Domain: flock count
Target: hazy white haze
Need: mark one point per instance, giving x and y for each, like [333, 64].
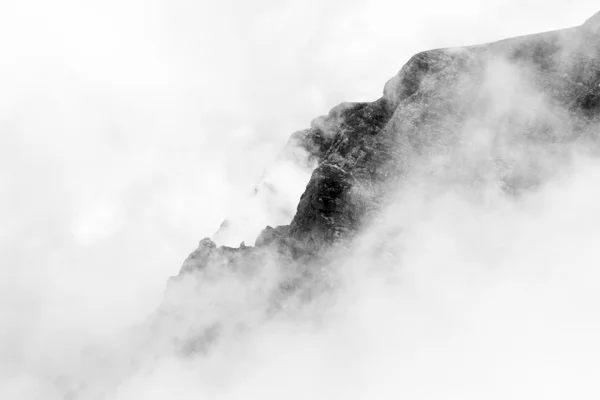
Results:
[130, 130]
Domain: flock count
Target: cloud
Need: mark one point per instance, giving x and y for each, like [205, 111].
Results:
[131, 130]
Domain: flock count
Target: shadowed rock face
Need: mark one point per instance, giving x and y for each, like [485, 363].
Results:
[510, 108]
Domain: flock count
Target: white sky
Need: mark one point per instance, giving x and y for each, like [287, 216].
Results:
[130, 129]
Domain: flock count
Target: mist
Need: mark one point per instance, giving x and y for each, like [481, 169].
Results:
[131, 130]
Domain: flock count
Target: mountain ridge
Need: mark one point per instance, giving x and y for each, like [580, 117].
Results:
[501, 114]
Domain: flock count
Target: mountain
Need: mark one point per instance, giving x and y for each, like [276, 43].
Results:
[503, 116]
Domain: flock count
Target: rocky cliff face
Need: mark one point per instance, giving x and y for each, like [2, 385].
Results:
[500, 114]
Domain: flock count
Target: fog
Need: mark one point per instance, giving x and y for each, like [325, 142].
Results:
[130, 130]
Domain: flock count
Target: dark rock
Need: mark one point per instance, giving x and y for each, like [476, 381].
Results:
[362, 149]
[533, 96]
[270, 235]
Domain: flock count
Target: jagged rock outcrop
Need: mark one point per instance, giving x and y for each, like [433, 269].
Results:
[509, 108]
